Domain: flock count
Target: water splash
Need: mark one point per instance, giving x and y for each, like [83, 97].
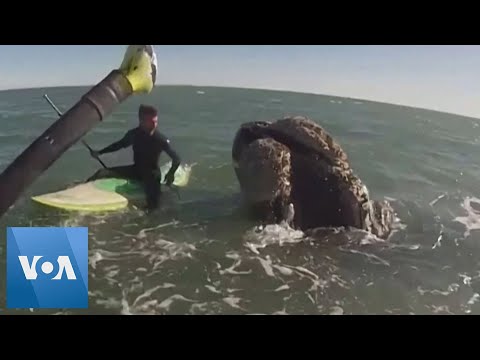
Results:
[472, 220]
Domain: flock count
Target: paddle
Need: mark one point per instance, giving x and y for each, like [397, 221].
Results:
[57, 110]
[136, 75]
[61, 114]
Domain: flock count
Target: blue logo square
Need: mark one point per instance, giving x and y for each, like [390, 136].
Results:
[47, 268]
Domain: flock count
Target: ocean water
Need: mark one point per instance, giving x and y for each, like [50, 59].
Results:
[199, 255]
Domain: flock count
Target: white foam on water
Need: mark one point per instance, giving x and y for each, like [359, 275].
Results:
[256, 314]
[174, 246]
[278, 234]
[172, 251]
[452, 288]
[145, 295]
[370, 239]
[135, 286]
[304, 272]
[231, 270]
[106, 255]
[318, 284]
[165, 304]
[283, 270]
[233, 255]
[475, 297]
[309, 296]
[147, 308]
[233, 302]
[466, 279]
[433, 202]
[152, 307]
[231, 291]
[252, 248]
[213, 289]
[336, 310]
[476, 277]
[442, 309]
[217, 167]
[412, 247]
[439, 241]
[282, 288]
[161, 250]
[111, 267]
[393, 311]
[374, 259]
[110, 277]
[125, 307]
[339, 281]
[281, 312]
[472, 220]
[267, 266]
[94, 294]
[63, 313]
[110, 303]
[76, 219]
[93, 260]
[433, 292]
[142, 234]
[99, 222]
[198, 308]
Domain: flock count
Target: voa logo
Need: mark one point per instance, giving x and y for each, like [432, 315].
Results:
[64, 266]
[47, 268]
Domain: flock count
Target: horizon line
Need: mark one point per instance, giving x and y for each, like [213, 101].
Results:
[262, 89]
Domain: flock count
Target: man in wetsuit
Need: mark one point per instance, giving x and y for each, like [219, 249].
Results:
[148, 144]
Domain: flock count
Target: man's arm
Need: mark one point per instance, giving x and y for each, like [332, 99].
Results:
[170, 176]
[125, 142]
[175, 158]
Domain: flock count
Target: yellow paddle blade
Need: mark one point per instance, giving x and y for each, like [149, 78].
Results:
[139, 66]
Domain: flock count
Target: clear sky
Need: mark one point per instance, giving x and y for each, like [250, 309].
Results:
[445, 78]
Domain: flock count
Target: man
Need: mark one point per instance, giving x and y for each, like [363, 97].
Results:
[148, 144]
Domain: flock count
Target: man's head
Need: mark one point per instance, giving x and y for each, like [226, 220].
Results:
[148, 117]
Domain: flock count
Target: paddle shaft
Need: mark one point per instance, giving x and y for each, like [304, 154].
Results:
[57, 110]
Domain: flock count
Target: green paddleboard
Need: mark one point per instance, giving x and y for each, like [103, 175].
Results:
[102, 195]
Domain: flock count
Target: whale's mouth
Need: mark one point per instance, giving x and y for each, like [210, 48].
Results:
[294, 161]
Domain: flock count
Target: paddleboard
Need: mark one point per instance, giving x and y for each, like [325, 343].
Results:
[111, 194]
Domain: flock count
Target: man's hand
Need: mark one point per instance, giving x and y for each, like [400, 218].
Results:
[169, 179]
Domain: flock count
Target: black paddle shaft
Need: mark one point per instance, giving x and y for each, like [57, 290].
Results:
[57, 110]
[91, 109]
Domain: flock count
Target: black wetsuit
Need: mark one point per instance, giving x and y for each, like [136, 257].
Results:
[147, 149]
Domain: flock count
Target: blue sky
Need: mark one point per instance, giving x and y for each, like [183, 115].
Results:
[445, 78]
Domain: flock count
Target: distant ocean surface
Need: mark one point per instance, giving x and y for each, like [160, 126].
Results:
[211, 261]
